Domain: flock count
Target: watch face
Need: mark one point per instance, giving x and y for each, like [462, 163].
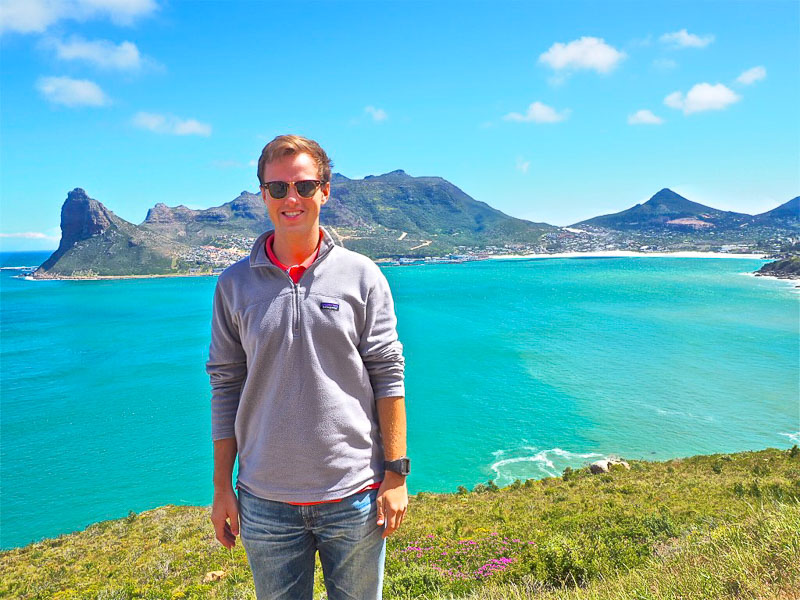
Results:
[402, 466]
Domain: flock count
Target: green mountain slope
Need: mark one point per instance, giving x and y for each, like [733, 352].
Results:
[666, 210]
[724, 526]
[95, 241]
[788, 212]
[386, 216]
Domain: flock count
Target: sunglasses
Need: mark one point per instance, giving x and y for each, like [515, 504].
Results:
[305, 189]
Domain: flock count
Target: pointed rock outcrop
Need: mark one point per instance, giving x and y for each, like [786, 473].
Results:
[161, 214]
[82, 217]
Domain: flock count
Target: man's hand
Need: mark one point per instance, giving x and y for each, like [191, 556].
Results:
[225, 508]
[392, 502]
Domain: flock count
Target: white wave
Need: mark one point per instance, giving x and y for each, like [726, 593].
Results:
[543, 463]
[678, 413]
[793, 437]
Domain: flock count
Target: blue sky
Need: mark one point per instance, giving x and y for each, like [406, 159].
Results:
[549, 111]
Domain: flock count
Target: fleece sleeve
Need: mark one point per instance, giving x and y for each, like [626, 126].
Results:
[379, 347]
[226, 368]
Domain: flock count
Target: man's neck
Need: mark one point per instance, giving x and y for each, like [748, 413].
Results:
[293, 249]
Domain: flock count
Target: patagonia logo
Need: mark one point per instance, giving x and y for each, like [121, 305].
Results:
[329, 306]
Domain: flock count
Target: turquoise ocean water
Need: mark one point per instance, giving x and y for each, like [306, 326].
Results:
[515, 369]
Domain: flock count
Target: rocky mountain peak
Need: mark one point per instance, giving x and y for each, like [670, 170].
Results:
[390, 176]
[82, 217]
[161, 213]
[665, 196]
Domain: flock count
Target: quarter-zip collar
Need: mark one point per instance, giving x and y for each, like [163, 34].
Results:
[259, 258]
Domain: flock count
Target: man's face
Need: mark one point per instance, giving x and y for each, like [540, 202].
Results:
[293, 213]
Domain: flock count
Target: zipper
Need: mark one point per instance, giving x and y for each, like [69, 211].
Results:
[296, 294]
[296, 286]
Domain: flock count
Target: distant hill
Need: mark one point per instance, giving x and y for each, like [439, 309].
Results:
[96, 241]
[244, 215]
[788, 212]
[420, 204]
[396, 201]
[669, 210]
[388, 215]
[391, 215]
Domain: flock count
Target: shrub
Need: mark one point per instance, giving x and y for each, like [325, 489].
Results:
[565, 561]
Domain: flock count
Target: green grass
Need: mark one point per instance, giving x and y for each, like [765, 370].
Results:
[720, 526]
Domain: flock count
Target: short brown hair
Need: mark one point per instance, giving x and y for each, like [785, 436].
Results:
[288, 145]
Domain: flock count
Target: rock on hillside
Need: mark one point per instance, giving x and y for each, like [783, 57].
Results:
[81, 218]
[95, 241]
[786, 268]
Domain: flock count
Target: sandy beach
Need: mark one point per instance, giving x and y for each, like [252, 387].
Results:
[598, 254]
[102, 277]
[628, 254]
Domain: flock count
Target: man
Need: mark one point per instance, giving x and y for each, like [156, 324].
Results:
[307, 387]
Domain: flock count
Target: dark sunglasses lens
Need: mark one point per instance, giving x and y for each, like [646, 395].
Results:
[278, 189]
[306, 188]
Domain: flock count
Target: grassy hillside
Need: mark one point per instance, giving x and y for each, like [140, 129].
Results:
[720, 526]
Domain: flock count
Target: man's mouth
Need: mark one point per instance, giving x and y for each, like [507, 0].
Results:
[292, 213]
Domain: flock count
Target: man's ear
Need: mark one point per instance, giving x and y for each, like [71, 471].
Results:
[264, 195]
[326, 192]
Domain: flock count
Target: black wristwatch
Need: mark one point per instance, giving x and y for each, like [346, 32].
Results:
[401, 466]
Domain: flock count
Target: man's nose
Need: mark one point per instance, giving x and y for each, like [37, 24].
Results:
[291, 194]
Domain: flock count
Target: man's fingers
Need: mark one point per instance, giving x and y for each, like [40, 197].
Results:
[234, 516]
[226, 532]
[393, 520]
[223, 535]
[379, 502]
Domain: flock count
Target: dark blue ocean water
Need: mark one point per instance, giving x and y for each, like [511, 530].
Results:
[515, 369]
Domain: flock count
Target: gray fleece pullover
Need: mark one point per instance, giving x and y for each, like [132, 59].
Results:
[295, 371]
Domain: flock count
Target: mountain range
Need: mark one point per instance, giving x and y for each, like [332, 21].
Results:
[666, 209]
[385, 216]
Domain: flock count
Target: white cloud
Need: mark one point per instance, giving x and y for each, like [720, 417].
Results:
[644, 117]
[674, 100]
[538, 113]
[102, 53]
[122, 12]
[665, 64]
[703, 96]
[31, 235]
[171, 125]
[585, 53]
[377, 114]
[72, 92]
[226, 163]
[35, 16]
[523, 165]
[750, 76]
[684, 39]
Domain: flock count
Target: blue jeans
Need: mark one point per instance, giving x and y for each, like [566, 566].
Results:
[281, 540]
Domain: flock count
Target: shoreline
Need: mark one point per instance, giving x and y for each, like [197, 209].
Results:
[628, 254]
[596, 254]
[793, 439]
[792, 281]
[112, 277]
